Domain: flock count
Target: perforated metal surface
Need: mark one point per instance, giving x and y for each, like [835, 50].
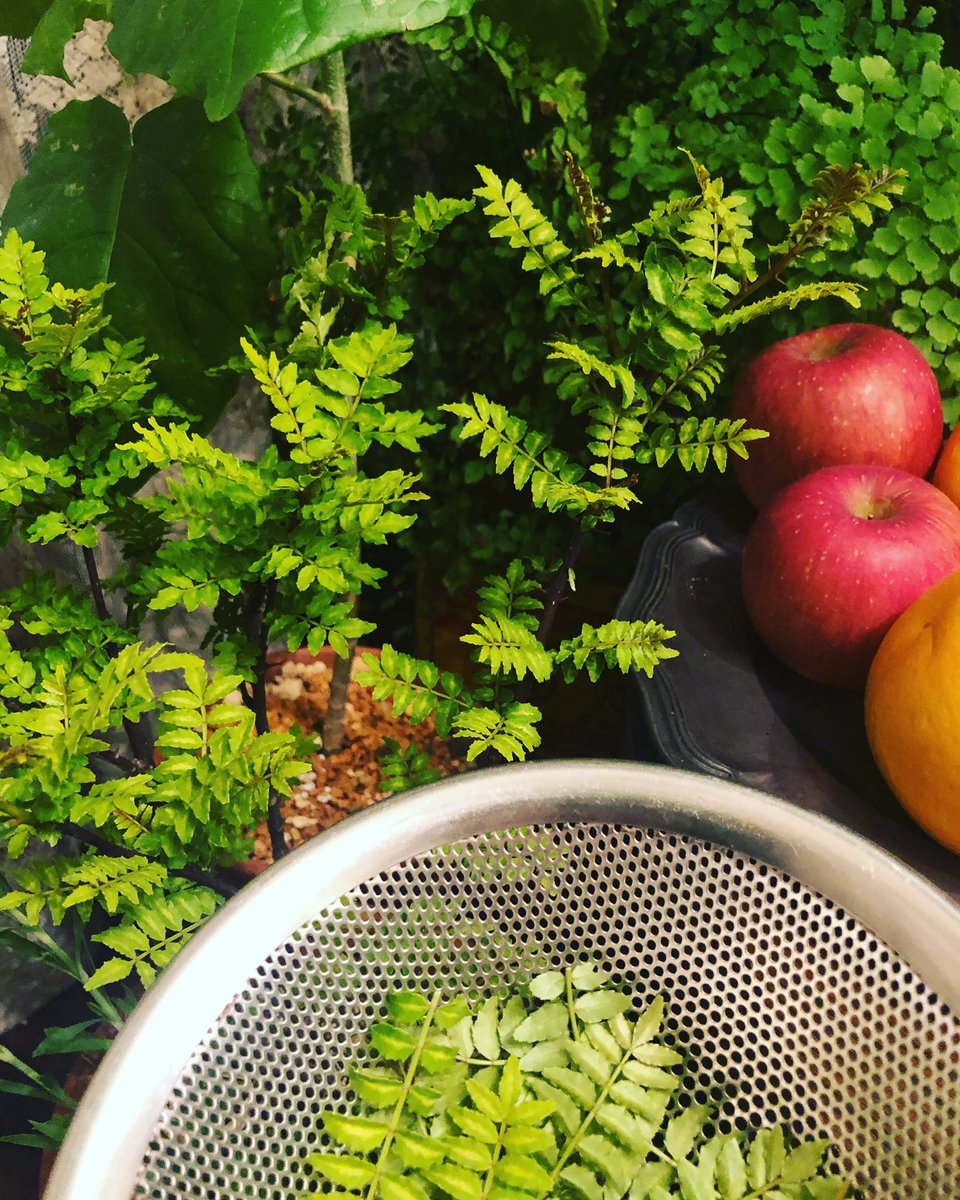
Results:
[788, 1005]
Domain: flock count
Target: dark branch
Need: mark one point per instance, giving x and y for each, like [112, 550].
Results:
[256, 610]
[551, 607]
[138, 742]
[90, 837]
[130, 766]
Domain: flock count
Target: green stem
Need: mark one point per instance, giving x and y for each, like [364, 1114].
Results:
[296, 88]
[573, 1144]
[490, 1181]
[574, 1028]
[335, 77]
[408, 1079]
[611, 444]
[69, 966]
[613, 342]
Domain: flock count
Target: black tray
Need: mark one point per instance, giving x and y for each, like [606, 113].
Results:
[728, 708]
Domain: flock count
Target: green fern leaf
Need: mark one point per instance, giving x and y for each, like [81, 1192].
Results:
[524, 227]
[512, 733]
[804, 293]
[153, 933]
[624, 645]
[507, 646]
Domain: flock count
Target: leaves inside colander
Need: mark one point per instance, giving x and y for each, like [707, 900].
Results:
[551, 1090]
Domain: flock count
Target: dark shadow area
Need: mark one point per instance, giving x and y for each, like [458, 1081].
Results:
[20, 1165]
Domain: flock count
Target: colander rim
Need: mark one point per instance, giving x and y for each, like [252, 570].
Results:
[111, 1129]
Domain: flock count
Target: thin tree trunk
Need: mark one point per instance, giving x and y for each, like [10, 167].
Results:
[334, 76]
[333, 72]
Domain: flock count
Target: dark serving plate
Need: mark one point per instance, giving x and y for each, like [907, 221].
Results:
[728, 708]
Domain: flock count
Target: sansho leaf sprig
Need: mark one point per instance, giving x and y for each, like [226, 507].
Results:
[640, 315]
[553, 1089]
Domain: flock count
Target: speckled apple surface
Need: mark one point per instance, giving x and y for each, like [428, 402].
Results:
[844, 394]
[836, 557]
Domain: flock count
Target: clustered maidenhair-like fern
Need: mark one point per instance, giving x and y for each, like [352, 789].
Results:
[646, 309]
[552, 1090]
[779, 90]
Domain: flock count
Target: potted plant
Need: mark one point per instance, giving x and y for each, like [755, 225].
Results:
[641, 314]
[273, 547]
[147, 767]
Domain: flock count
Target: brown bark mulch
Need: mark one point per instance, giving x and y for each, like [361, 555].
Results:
[349, 779]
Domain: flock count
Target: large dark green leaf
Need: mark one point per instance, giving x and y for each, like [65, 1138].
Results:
[19, 17]
[170, 215]
[569, 33]
[55, 28]
[212, 49]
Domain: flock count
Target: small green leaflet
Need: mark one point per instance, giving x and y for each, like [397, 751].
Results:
[600, 1006]
[550, 1021]
[547, 986]
[485, 1036]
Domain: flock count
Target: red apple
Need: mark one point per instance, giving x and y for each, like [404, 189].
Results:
[842, 394]
[836, 557]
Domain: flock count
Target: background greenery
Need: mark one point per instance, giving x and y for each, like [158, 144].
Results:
[209, 218]
[767, 91]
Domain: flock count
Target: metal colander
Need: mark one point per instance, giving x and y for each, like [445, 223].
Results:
[814, 980]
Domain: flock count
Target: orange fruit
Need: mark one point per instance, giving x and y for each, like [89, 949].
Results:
[912, 709]
[947, 474]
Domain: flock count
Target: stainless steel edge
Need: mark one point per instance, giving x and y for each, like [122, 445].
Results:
[102, 1155]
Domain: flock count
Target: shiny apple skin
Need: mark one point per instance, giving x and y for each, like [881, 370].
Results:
[836, 557]
[843, 394]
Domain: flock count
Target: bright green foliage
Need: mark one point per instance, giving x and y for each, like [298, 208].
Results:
[60, 474]
[275, 547]
[508, 649]
[167, 210]
[553, 1090]
[153, 934]
[643, 310]
[554, 481]
[626, 645]
[64, 884]
[509, 731]
[766, 93]
[56, 727]
[416, 687]
[405, 767]
[651, 302]
[774, 91]
[272, 547]
[196, 808]
[525, 228]
[507, 646]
